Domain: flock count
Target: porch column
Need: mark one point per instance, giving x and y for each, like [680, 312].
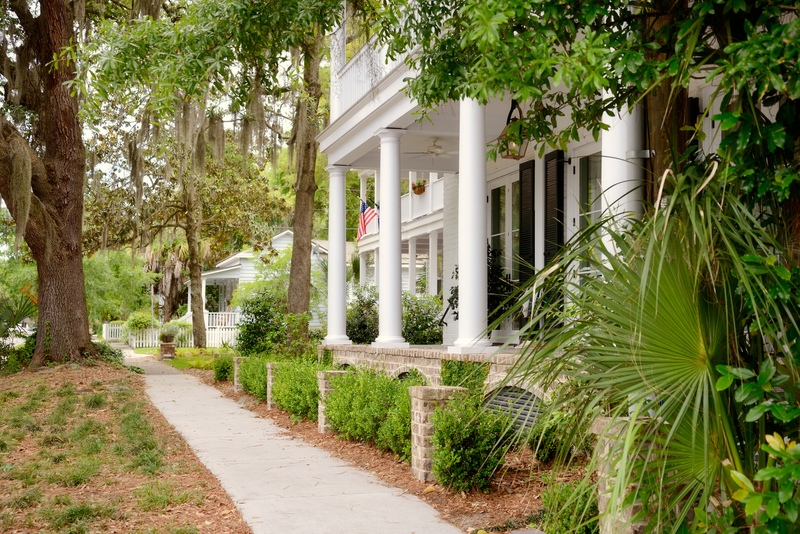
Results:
[377, 252]
[377, 256]
[433, 262]
[337, 259]
[390, 308]
[472, 297]
[203, 292]
[412, 265]
[622, 164]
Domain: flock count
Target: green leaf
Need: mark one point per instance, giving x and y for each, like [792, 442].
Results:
[790, 508]
[773, 507]
[756, 412]
[753, 504]
[724, 382]
[785, 491]
[742, 481]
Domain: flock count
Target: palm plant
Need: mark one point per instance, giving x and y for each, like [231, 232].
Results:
[685, 305]
[13, 311]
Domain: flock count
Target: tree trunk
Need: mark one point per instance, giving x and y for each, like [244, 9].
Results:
[666, 108]
[193, 222]
[48, 203]
[305, 186]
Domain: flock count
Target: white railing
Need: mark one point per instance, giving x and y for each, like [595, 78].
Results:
[112, 332]
[413, 206]
[221, 319]
[361, 74]
[215, 338]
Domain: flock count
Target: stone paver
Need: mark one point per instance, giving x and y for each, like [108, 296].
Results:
[279, 483]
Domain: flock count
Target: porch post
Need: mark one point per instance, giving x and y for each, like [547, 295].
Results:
[390, 308]
[337, 259]
[412, 265]
[622, 166]
[433, 262]
[472, 297]
[377, 252]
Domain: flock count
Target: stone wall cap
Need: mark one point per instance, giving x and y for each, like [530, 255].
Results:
[436, 393]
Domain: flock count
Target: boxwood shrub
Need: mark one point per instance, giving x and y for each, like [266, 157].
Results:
[372, 407]
[295, 388]
[571, 508]
[469, 444]
[470, 375]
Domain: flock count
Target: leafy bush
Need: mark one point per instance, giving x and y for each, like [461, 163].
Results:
[263, 323]
[470, 375]
[370, 406]
[571, 508]
[139, 321]
[421, 319]
[468, 444]
[544, 438]
[108, 354]
[253, 375]
[14, 360]
[295, 388]
[362, 316]
[223, 367]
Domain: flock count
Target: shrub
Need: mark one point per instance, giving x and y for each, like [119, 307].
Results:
[421, 319]
[369, 406]
[109, 354]
[223, 367]
[468, 444]
[470, 375]
[253, 375]
[571, 508]
[139, 321]
[14, 360]
[544, 438]
[263, 323]
[295, 388]
[362, 316]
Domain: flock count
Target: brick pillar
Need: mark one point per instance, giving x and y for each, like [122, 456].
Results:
[167, 351]
[609, 442]
[324, 383]
[270, 382]
[424, 400]
[237, 386]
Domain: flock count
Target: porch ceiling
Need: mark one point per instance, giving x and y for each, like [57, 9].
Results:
[420, 133]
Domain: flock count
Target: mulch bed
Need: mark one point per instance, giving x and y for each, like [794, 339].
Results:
[513, 500]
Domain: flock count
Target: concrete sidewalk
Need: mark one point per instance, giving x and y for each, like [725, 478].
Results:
[280, 484]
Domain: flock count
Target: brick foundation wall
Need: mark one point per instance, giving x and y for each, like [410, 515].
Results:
[237, 386]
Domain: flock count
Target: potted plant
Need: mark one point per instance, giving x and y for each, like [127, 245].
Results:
[418, 187]
[167, 337]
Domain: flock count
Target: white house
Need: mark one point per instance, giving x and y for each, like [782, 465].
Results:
[528, 208]
[240, 268]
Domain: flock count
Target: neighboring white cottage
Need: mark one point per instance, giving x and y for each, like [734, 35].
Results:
[240, 268]
[526, 207]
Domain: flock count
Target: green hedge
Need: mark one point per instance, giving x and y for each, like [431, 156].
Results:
[369, 406]
[295, 388]
[223, 367]
[469, 444]
[470, 375]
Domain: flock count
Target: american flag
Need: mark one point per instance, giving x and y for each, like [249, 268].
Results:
[367, 214]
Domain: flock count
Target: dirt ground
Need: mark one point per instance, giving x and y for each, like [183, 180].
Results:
[512, 502]
[37, 496]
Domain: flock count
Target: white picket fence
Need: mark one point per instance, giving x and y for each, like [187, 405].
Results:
[215, 336]
[112, 332]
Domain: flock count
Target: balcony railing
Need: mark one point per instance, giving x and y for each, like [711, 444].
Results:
[359, 76]
[413, 206]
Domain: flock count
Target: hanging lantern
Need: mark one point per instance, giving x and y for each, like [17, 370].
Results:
[513, 149]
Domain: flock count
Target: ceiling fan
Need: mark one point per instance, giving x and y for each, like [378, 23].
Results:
[434, 150]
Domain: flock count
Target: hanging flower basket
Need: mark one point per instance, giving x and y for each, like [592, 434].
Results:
[418, 188]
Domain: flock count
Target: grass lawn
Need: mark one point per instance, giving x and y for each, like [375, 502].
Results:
[82, 449]
[146, 350]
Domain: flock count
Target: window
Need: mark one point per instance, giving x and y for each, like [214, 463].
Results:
[504, 204]
[591, 190]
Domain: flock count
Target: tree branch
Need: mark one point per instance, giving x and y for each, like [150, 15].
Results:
[20, 9]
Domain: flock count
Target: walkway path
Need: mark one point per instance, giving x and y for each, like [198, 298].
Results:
[280, 484]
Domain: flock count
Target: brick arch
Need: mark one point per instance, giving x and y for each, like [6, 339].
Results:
[494, 383]
[404, 369]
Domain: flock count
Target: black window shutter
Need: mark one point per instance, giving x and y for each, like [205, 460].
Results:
[553, 204]
[526, 220]
[584, 185]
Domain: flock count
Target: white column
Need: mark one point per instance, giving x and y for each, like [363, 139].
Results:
[390, 306]
[433, 262]
[622, 173]
[337, 259]
[412, 265]
[203, 292]
[472, 297]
